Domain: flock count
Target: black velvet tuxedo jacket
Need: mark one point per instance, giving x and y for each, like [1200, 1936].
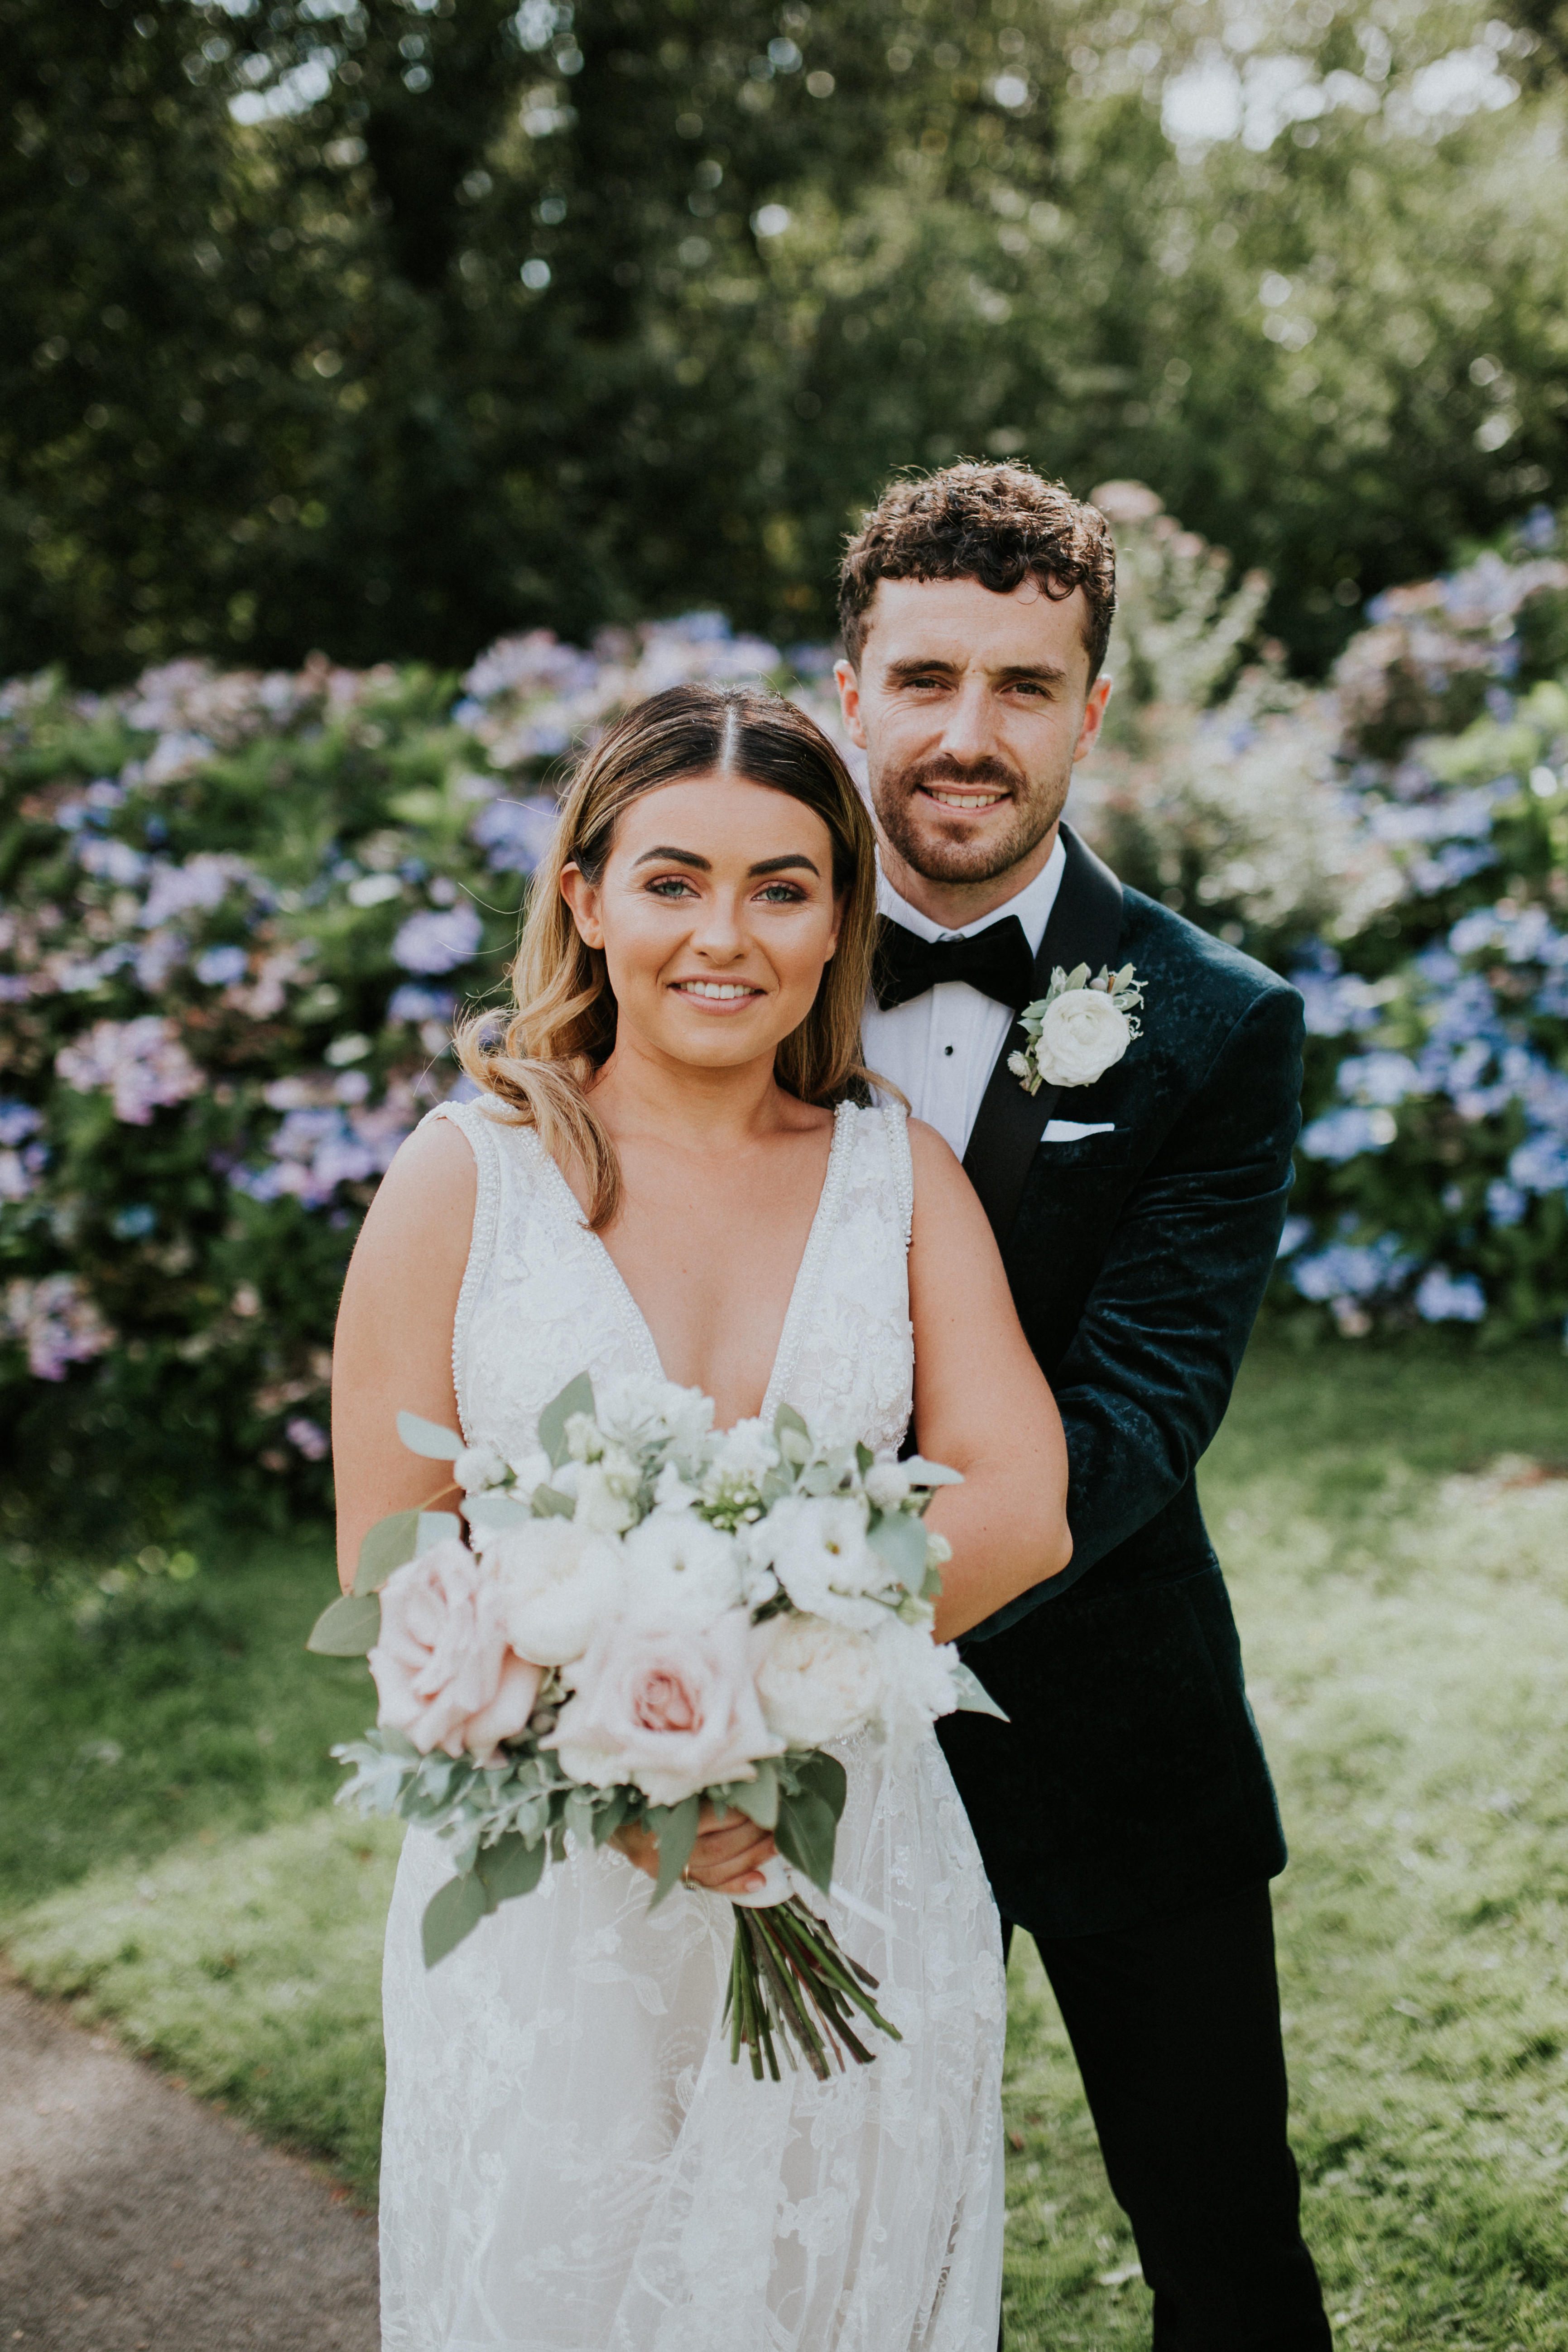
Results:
[1129, 1784]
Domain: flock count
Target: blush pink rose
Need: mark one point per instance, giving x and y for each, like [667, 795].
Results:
[673, 1710]
[445, 1673]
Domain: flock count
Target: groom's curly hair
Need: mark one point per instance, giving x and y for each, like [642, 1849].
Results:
[997, 524]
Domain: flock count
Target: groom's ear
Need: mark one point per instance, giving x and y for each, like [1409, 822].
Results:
[847, 678]
[1093, 718]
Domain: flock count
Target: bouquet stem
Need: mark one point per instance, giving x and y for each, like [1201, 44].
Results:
[791, 1983]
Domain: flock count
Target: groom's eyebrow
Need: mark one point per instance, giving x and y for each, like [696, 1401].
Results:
[1050, 673]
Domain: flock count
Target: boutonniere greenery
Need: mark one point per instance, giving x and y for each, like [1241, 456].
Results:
[1079, 1028]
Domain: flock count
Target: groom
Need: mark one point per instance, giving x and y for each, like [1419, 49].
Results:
[1125, 1812]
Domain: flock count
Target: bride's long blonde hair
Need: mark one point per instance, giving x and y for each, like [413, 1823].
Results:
[563, 1027]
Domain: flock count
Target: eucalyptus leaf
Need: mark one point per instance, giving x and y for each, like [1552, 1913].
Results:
[921, 1473]
[493, 1511]
[825, 1777]
[758, 1798]
[674, 1826]
[510, 1867]
[609, 1816]
[436, 1527]
[899, 1539]
[348, 1628]
[550, 1503]
[453, 1912]
[577, 1396]
[428, 1437]
[805, 1832]
[973, 1698]
[791, 1435]
[390, 1544]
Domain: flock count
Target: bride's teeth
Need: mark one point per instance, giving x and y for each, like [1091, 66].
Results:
[725, 991]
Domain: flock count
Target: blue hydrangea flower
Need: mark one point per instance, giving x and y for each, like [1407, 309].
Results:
[219, 966]
[1339, 1135]
[1353, 1269]
[437, 940]
[1445, 1298]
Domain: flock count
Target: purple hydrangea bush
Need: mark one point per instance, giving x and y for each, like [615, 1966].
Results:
[238, 915]
[1433, 1167]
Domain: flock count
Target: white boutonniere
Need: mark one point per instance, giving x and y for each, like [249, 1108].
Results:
[1079, 1028]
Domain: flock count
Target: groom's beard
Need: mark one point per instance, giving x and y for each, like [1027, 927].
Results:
[943, 845]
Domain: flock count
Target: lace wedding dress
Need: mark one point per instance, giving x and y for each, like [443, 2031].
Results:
[571, 2162]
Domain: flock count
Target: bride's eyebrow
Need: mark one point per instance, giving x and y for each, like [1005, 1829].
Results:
[705, 865]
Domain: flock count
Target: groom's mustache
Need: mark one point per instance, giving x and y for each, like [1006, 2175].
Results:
[944, 771]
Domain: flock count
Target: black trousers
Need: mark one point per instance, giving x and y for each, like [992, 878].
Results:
[1175, 2028]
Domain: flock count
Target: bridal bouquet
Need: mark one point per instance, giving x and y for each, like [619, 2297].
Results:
[641, 1614]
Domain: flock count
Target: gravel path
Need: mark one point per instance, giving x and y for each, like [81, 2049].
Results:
[134, 2219]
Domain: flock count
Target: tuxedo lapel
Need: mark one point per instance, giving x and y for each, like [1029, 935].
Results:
[1084, 927]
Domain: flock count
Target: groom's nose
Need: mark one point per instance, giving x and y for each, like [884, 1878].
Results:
[968, 731]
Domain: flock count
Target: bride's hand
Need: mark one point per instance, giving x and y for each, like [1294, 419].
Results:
[728, 1859]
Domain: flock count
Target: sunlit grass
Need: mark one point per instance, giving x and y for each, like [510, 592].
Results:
[1406, 1625]
[251, 1969]
[1400, 1568]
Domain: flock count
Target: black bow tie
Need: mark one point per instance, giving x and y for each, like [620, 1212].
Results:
[996, 960]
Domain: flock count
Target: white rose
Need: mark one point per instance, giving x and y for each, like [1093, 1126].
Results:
[671, 1493]
[917, 1682]
[603, 1504]
[1081, 1035]
[746, 1451]
[640, 1414]
[531, 1469]
[681, 1571]
[818, 1681]
[816, 1547]
[559, 1581]
[476, 1466]
[887, 1484]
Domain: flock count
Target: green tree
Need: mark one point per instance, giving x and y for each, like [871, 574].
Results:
[386, 327]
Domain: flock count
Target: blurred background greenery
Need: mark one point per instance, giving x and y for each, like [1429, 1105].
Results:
[382, 328]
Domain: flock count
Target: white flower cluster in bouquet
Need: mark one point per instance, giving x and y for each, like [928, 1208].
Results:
[642, 1613]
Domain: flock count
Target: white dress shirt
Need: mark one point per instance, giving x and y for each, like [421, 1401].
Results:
[941, 1048]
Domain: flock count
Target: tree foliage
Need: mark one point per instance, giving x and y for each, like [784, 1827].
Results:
[385, 327]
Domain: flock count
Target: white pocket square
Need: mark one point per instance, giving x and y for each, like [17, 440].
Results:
[1071, 1130]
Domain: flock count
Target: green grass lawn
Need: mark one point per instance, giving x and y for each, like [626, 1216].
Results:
[1397, 1545]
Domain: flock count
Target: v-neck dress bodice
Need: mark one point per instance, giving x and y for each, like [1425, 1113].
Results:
[571, 2163]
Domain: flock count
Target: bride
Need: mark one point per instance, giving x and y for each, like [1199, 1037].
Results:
[674, 1169]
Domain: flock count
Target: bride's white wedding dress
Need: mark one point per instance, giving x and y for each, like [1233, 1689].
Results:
[571, 2162]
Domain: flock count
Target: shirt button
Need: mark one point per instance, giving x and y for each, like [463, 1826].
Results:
[947, 1049]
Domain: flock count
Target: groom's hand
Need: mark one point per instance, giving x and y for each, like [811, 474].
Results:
[726, 1859]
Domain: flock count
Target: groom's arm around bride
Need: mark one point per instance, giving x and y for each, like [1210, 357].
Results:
[1135, 1164]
